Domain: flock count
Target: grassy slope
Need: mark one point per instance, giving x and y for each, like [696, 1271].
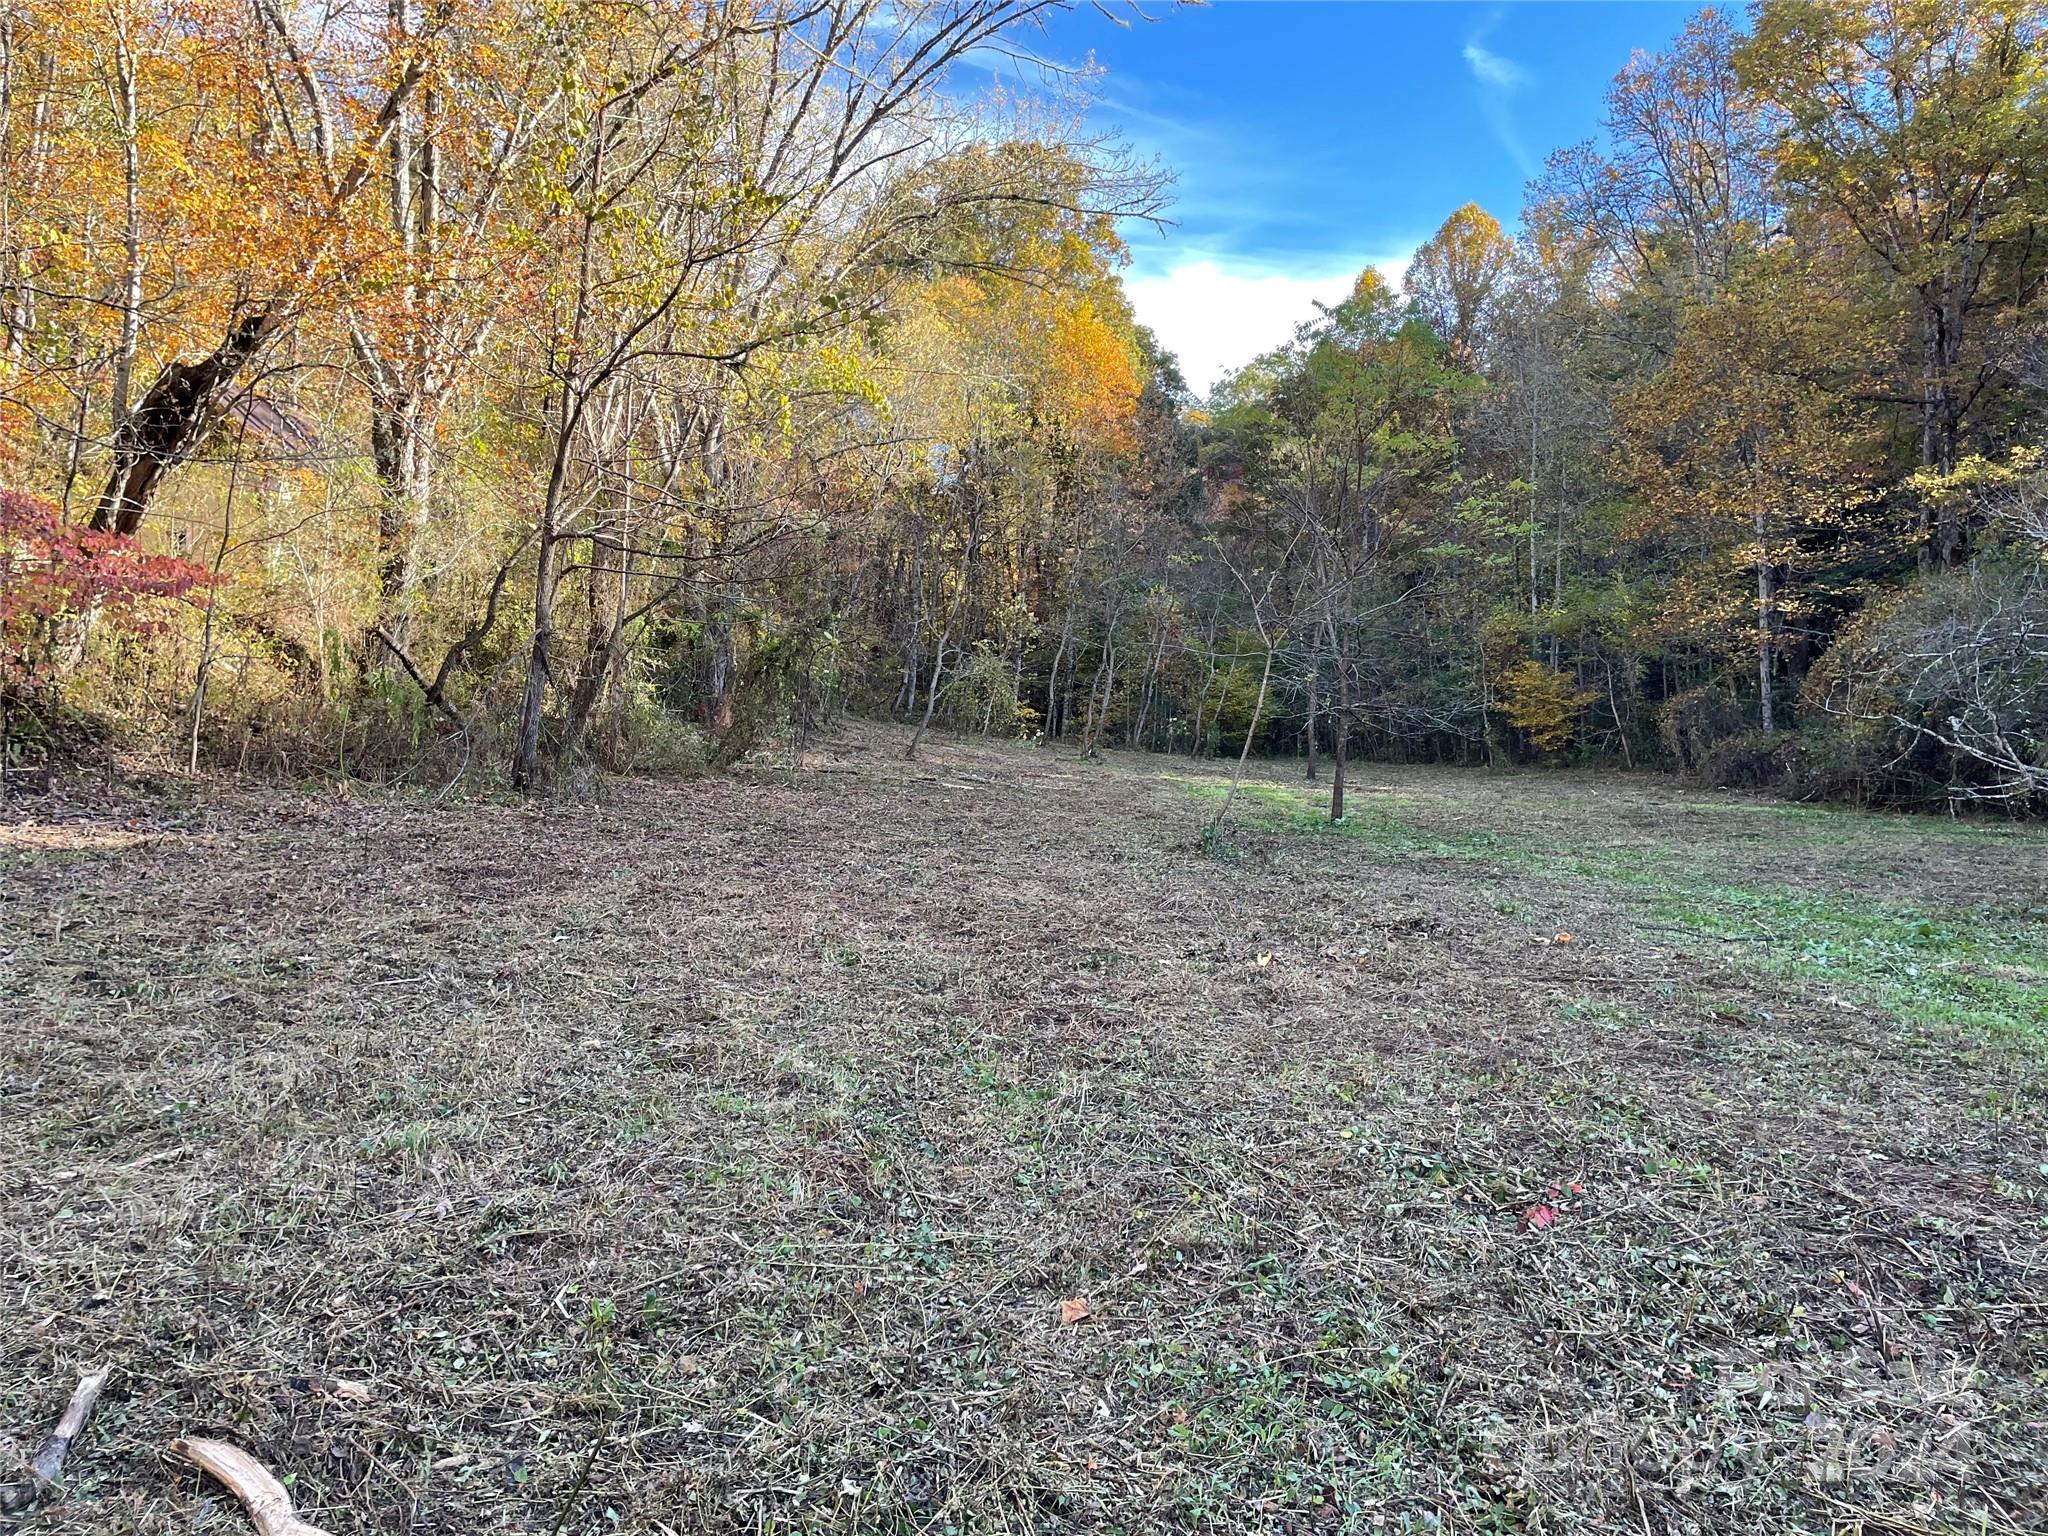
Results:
[717, 1157]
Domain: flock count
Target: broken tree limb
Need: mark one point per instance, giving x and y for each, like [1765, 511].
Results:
[269, 1506]
[48, 1465]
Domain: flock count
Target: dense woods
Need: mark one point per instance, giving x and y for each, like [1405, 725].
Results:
[465, 387]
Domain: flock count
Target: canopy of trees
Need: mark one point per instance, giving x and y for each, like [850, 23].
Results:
[463, 385]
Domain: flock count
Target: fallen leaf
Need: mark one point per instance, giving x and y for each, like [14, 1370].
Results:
[1539, 1216]
[1074, 1309]
[1265, 959]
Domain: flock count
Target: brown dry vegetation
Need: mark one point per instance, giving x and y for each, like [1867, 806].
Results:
[715, 1157]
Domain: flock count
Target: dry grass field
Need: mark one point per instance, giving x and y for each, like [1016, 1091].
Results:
[718, 1156]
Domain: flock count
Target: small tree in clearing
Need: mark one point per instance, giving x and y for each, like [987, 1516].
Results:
[1544, 704]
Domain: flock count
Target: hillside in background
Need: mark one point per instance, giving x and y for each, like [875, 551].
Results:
[500, 393]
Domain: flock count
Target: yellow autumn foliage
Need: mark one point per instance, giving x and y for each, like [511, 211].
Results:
[1543, 703]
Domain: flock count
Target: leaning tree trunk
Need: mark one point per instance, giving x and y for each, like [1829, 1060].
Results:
[182, 405]
[187, 399]
[1215, 827]
[1104, 682]
[931, 698]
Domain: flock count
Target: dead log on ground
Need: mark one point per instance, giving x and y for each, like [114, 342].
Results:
[269, 1506]
[48, 1465]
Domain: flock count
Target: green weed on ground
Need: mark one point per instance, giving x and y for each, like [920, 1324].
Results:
[1977, 970]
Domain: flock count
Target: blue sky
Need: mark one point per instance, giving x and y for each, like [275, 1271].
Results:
[1313, 139]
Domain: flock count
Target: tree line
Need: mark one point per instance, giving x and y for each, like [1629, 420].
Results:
[443, 387]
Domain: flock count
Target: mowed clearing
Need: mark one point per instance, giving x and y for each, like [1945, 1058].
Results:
[718, 1156]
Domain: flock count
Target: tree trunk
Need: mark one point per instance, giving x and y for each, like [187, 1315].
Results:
[1557, 586]
[401, 453]
[526, 751]
[1244, 753]
[131, 234]
[20, 308]
[1766, 595]
[604, 661]
[185, 400]
[1053, 722]
[1941, 526]
[1098, 717]
[1151, 685]
[1315, 677]
[931, 699]
[1340, 728]
[1202, 707]
[547, 579]
[1766, 623]
[1628, 757]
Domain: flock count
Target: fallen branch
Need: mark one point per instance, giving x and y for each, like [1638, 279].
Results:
[431, 690]
[48, 1465]
[269, 1506]
[436, 688]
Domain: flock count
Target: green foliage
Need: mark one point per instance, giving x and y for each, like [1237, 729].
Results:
[982, 695]
[782, 433]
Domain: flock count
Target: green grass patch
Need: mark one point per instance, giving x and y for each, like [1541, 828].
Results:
[1980, 971]
[1372, 821]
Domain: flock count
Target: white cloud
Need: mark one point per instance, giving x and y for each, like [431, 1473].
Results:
[1500, 78]
[1217, 313]
[1489, 68]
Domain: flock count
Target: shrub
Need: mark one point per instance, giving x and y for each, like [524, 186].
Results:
[1770, 761]
[1544, 704]
[1952, 676]
[59, 581]
[1693, 723]
[55, 575]
[984, 695]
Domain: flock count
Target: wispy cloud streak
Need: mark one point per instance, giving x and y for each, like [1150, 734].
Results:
[1499, 79]
[1490, 69]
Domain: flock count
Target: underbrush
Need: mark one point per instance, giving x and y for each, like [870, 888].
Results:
[42, 736]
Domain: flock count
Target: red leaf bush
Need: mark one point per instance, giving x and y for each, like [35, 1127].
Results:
[52, 571]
